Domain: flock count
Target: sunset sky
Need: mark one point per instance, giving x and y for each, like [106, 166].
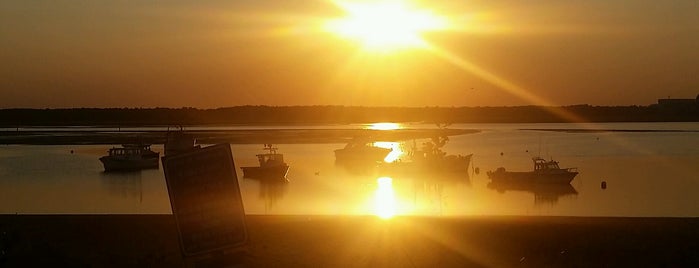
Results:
[59, 53]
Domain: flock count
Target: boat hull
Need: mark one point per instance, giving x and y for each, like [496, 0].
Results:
[276, 172]
[449, 164]
[364, 154]
[117, 164]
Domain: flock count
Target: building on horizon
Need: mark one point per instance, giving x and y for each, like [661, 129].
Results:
[678, 102]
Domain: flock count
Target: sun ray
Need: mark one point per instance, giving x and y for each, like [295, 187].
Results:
[501, 83]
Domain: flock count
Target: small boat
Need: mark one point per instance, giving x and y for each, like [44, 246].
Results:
[544, 172]
[179, 142]
[431, 158]
[440, 161]
[272, 166]
[361, 152]
[130, 157]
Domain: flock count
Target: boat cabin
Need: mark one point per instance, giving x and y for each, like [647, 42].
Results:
[272, 158]
[132, 150]
[125, 151]
[541, 164]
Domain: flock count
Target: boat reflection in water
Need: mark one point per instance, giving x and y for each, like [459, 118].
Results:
[272, 189]
[420, 194]
[543, 193]
[127, 184]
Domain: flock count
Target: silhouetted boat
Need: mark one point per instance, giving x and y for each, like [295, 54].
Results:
[130, 157]
[431, 159]
[544, 172]
[272, 166]
[178, 142]
[439, 161]
[361, 152]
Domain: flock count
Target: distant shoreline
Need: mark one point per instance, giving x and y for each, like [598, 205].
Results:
[258, 136]
[27, 136]
[315, 115]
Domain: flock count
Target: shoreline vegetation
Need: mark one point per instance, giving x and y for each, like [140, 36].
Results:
[23, 126]
[315, 115]
[255, 136]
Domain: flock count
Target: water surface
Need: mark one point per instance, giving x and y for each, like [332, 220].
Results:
[647, 174]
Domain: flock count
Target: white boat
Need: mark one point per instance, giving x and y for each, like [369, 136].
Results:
[431, 159]
[271, 166]
[544, 172]
[130, 157]
[361, 152]
[179, 142]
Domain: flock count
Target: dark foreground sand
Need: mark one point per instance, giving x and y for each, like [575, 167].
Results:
[357, 241]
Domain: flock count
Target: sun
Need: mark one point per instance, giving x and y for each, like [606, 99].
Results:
[385, 25]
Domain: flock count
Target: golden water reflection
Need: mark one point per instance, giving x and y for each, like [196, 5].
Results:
[396, 153]
[384, 198]
[384, 126]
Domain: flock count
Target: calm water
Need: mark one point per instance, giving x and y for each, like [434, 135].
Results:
[647, 174]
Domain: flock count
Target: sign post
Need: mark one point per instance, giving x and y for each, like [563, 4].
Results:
[205, 199]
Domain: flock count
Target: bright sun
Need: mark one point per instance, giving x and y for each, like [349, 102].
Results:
[385, 25]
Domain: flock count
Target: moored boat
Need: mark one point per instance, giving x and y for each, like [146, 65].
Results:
[179, 142]
[544, 172]
[130, 157]
[271, 165]
[361, 152]
[431, 158]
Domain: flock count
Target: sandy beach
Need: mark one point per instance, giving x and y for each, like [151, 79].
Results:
[357, 241]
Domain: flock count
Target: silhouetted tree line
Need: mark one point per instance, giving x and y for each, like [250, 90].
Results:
[342, 115]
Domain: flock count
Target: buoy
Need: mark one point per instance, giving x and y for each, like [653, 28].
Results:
[501, 153]
[604, 185]
[71, 151]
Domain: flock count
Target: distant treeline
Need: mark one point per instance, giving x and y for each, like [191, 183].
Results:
[343, 115]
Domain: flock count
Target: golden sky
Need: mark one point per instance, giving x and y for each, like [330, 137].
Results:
[58, 53]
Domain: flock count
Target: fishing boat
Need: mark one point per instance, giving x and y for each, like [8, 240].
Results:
[130, 157]
[431, 158]
[544, 172]
[177, 142]
[358, 151]
[271, 165]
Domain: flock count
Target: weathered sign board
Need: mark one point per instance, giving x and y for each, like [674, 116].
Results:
[205, 199]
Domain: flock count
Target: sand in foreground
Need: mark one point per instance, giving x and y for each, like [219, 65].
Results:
[358, 241]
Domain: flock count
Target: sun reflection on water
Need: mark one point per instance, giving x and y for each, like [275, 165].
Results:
[395, 154]
[384, 198]
[384, 126]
